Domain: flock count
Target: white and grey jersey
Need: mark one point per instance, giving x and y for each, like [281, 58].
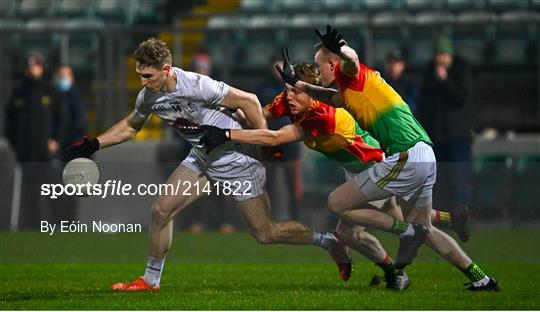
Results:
[195, 102]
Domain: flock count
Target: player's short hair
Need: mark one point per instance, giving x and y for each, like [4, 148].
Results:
[319, 46]
[307, 72]
[153, 53]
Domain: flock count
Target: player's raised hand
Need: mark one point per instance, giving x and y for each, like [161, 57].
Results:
[85, 147]
[287, 64]
[213, 137]
[286, 72]
[332, 40]
[287, 77]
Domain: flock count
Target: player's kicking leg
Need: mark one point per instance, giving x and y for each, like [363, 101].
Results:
[256, 215]
[161, 230]
[439, 241]
[448, 248]
[457, 219]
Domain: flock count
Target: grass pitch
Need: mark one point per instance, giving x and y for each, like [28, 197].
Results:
[213, 271]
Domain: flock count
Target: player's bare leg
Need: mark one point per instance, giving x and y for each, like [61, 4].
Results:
[168, 206]
[161, 229]
[344, 202]
[365, 243]
[256, 215]
[360, 240]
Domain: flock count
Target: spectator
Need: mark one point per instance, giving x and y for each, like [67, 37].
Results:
[35, 127]
[68, 94]
[445, 111]
[394, 74]
[202, 62]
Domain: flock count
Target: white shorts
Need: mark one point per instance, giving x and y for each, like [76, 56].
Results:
[409, 175]
[246, 174]
[378, 204]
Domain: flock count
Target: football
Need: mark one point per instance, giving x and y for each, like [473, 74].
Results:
[81, 171]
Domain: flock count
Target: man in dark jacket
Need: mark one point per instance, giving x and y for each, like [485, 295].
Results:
[445, 112]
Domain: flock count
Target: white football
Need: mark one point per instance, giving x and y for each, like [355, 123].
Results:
[81, 171]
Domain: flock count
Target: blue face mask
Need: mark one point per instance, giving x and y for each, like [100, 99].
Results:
[63, 84]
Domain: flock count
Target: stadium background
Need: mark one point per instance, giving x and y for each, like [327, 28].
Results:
[499, 38]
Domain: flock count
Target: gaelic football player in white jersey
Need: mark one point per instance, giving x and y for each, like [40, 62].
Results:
[185, 101]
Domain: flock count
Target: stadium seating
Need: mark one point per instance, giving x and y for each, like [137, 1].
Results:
[350, 20]
[520, 16]
[29, 8]
[525, 185]
[338, 5]
[469, 18]
[434, 18]
[491, 182]
[379, 5]
[460, 5]
[507, 4]
[74, 8]
[7, 7]
[390, 18]
[417, 5]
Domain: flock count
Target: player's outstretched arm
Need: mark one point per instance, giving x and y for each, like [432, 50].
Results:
[214, 136]
[122, 131]
[287, 134]
[327, 95]
[334, 42]
[248, 103]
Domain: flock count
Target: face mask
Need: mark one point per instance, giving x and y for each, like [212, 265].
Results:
[63, 84]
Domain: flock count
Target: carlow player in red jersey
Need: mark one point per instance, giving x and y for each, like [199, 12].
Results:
[409, 171]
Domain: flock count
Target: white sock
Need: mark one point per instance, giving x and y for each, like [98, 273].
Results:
[409, 232]
[154, 267]
[324, 240]
[481, 282]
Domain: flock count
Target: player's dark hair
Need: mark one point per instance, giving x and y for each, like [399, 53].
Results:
[153, 53]
[307, 72]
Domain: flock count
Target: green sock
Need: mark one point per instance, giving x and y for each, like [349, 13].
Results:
[398, 227]
[474, 273]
